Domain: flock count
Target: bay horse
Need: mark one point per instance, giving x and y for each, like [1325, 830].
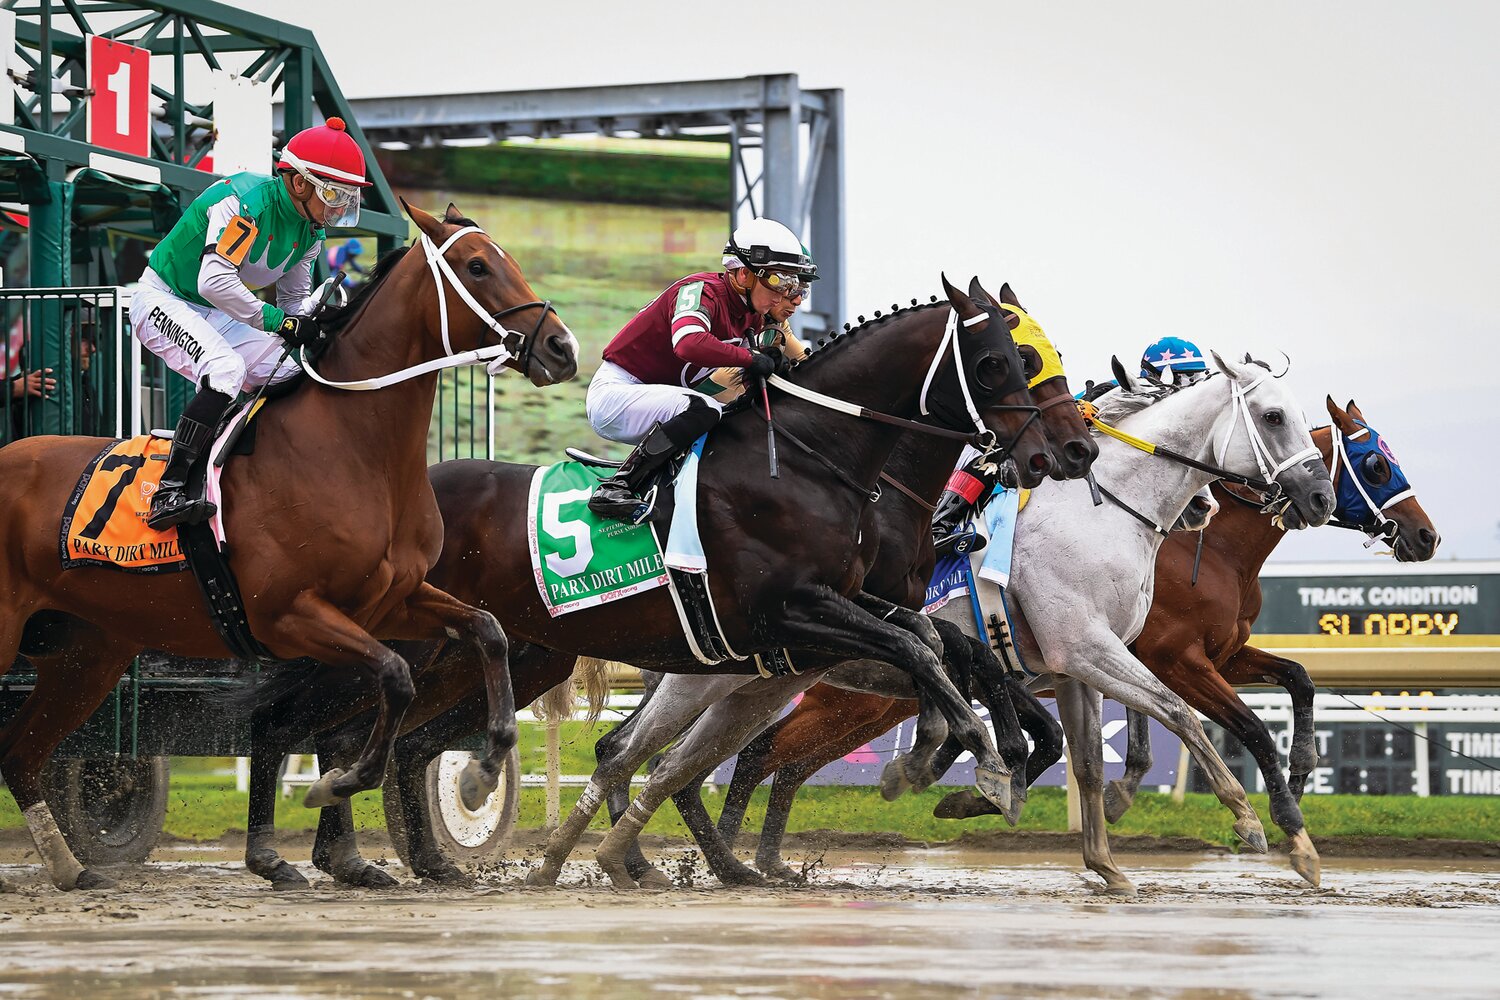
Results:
[789, 556]
[331, 525]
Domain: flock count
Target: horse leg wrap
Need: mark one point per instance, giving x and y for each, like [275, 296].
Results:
[61, 865]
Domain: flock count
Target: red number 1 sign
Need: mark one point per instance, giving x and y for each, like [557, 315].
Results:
[119, 115]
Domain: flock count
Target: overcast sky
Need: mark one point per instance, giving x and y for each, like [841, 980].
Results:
[1314, 178]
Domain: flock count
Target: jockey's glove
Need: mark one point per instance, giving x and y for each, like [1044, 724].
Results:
[301, 331]
[767, 363]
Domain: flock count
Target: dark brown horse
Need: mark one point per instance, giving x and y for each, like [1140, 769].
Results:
[823, 532]
[331, 523]
[902, 568]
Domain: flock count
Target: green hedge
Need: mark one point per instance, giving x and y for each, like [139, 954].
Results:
[574, 175]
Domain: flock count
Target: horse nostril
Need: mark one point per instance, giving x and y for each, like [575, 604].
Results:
[1040, 463]
[1077, 452]
[1427, 537]
[557, 345]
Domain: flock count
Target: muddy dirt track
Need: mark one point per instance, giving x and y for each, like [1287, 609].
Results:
[901, 923]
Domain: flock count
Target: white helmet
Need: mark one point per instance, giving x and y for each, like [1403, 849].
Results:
[763, 244]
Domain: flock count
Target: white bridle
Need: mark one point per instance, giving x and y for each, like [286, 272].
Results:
[1341, 457]
[950, 337]
[495, 354]
[1240, 406]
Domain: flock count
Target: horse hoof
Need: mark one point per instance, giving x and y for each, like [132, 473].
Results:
[444, 874]
[1305, 860]
[1012, 812]
[732, 871]
[741, 876]
[284, 876]
[543, 876]
[90, 879]
[1116, 801]
[368, 876]
[653, 880]
[893, 780]
[1252, 833]
[475, 785]
[782, 872]
[962, 805]
[321, 793]
[993, 785]
[1125, 890]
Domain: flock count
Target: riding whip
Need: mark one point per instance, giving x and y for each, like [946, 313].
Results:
[1197, 557]
[1094, 488]
[765, 394]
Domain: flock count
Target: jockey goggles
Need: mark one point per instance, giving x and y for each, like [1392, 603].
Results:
[341, 200]
[788, 286]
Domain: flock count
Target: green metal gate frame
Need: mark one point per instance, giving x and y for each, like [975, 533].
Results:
[46, 162]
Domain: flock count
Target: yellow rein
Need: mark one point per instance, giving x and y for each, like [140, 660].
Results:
[1090, 414]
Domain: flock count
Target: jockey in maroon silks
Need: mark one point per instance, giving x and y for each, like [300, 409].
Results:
[667, 375]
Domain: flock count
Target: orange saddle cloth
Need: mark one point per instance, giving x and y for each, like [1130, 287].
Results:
[105, 520]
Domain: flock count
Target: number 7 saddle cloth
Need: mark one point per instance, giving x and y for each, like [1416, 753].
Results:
[104, 523]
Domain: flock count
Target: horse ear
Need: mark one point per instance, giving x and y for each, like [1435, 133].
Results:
[976, 291]
[1128, 382]
[1354, 412]
[1008, 297]
[1232, 370]
[430, 226]
[1341, 418]
[452, 214]
[958, 300]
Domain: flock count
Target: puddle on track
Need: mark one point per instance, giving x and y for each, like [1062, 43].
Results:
[934, 923]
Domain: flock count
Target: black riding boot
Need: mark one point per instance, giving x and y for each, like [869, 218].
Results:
[618, 498]
[964, 496]
[171, 505]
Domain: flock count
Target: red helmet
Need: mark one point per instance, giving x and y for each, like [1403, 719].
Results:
[327, 151]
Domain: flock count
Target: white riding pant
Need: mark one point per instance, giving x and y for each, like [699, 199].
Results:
[200, 341]
[623, 408]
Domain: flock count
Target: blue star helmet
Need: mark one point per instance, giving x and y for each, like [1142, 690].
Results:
[353, 248]
[1171, 357]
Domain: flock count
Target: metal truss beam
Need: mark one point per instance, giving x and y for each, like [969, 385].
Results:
[786, 145]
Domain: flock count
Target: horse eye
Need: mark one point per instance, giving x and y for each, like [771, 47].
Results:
[1377, 472]
[990, 374]
[476, 268]
[1031, 362]
[1273, 417]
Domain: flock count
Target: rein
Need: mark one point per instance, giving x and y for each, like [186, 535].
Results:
[981, 437]
[1163, 532]
[495, 354]
[984, 439]
[873, 493]
[1259, 485]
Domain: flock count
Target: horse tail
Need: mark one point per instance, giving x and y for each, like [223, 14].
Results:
[590, 677]
[257, 691]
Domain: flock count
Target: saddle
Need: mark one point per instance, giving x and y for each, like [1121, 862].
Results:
[206, 557]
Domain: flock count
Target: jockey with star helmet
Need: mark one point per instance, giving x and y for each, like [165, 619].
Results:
[1174, 361]
[668, 373]
[196, 308]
